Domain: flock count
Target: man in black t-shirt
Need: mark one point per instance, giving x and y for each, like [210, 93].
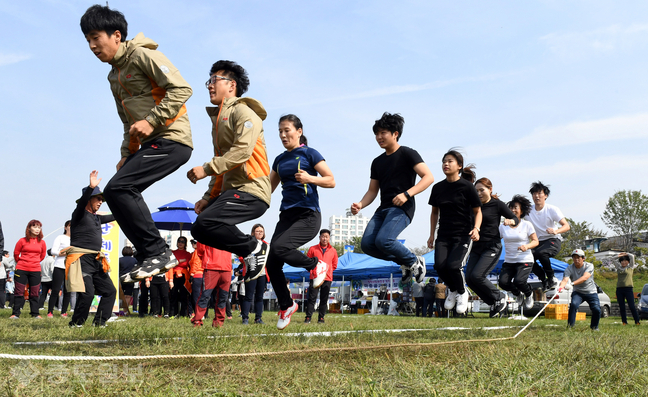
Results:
[393, 173]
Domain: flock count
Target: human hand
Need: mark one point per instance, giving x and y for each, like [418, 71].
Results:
[121, 163]
[523, 248]
[303, 177]
[474, 234]
[196, 173]
[170, 284]
[200, 206]
[148, 284]
[399, 200]
[141, 129]
[560, 289]
[509, 222]
[94, 181]
[551, 231]
[355, 208]
[430, 242]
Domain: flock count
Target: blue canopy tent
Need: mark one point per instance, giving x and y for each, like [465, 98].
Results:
[176, 215]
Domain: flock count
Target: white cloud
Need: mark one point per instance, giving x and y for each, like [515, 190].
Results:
[575, 45]
[8, 59]
[576, 133]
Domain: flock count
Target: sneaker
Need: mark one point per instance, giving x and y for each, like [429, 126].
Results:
[258, 321]
[284, 316]
[450, 300]
[418, 269]
[544, 286]
[552, 283]
[321, 269]
[307, 320]
[126, 278]
[38, 317]
[13, 317]
[50, 315]
[64, 315]
[528, 302]
[245, 321]
[74, 325]
[519, 300]
[594, 329]
[407, 274]
[498, 307]
[462, 302]
[154, 265]
[256, 263]
[320, 321]
[98, 325]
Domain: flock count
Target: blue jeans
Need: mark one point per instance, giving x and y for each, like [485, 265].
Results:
[379, 238]
[594, 304]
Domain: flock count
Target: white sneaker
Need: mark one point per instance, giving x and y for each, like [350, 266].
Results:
[320, 270]
[528, 302]
[284, 316]
[462, 302]
[450, 300]
[418, 269]
[519, 300]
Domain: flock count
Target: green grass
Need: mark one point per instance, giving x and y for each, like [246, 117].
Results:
[546, 360]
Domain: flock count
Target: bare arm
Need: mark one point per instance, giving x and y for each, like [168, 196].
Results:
[474, 233]
[426, 180]
[325, 179]
[274, 181]
[532, 244]
[564, 227]
[368, 198]
[434, 218]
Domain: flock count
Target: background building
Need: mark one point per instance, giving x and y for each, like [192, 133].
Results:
[343, 228]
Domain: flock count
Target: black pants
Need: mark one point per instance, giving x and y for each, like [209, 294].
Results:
[96, 282]
[254, 290]
[625, 294]
[46, 287]
[153, 161]
[160, 297]
[450, 256]
[3, 292]
[312, 298]
[135, 298]
[543, 253]
[22, 278]
[419, 306]
[179, 297]
[216, 224]
[483, 259]
[514, 278]
[428, 307]
[58, 282]
[143, 300]
[296, 227]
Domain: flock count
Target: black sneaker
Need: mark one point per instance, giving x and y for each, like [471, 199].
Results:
[307, 320]
[154, 265]
[256, 263]
[258, 321]
[552, 283]
[498, 308]
[320, 321]
[544, 286]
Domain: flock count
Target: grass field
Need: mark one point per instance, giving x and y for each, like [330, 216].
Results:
[545, 360]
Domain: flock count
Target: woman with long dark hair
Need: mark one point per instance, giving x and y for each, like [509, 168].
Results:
[29, 252]
[486, 252]
[299, 220]
[457, 210]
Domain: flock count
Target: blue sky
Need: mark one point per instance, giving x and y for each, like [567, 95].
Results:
[546, 90]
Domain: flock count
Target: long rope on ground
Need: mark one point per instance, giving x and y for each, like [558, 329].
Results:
[261, 354]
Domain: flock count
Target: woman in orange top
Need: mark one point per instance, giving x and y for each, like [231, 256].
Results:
[29, 252]
[180, 292]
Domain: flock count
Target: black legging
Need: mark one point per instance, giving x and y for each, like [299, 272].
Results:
[46, 287]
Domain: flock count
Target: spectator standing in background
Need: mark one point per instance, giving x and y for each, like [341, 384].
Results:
[58, 276]
[624, 290]
[7, 266]
[28, 254]
[47, 268]
[440, 297]
[417, 294]
[429, 292]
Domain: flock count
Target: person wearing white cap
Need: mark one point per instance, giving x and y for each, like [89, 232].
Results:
[581, 274]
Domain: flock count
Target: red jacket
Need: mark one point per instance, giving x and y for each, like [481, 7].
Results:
[214, 259]
[329, 256]
[29, 254]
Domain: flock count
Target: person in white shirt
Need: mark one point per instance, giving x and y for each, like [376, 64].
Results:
[518, 259]
[47, 268]
[58, 276]
[548, 222]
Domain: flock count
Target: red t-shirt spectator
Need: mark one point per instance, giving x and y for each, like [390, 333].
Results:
[29, 254]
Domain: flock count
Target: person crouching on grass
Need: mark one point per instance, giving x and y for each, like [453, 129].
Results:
[581, 274]
[85, 252]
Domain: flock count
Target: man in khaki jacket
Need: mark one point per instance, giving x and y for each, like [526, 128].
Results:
[239, 189]
[150, 95]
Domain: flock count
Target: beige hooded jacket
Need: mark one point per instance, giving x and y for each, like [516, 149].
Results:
[147, 86]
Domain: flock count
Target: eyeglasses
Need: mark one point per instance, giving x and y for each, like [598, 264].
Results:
[214, 79]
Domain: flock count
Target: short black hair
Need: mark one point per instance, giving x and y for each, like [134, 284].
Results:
[624, 258]
[102, 18]
[325, 231]
[183, 239]
[524, 203]
[390, 122]
[127, 251]
[235, 72]
[539, 186]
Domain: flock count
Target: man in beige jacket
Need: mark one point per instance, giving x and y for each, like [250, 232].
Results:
[150, 95]
[239, 189]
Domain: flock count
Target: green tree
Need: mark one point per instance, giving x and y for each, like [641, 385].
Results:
[576, 236]
[626, 214]
[355, 241]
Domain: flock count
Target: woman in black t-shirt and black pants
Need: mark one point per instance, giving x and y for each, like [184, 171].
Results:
[457, 209]
[486, 252]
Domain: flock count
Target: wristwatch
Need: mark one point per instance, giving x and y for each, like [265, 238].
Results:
[407, 195]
